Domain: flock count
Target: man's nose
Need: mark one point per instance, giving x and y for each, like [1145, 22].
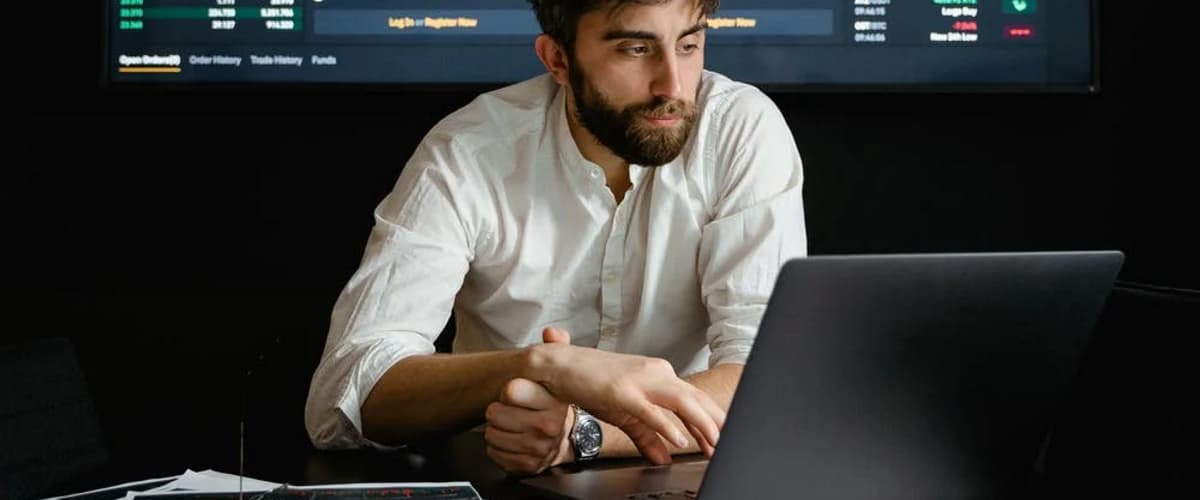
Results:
[667, 83]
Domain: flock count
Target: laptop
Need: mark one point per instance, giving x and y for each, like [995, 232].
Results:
[891, 376]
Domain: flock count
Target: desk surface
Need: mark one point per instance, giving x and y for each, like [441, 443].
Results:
[458, 458]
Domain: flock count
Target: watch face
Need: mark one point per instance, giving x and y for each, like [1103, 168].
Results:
[587, 437]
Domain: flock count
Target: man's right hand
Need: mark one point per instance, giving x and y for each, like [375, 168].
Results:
[528, 429]
[631, 392]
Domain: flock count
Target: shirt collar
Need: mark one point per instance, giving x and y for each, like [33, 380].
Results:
[568, 151]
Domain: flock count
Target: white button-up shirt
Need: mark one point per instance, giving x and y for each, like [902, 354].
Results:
[498, 217]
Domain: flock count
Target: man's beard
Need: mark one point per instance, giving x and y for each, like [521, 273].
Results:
[624, 131]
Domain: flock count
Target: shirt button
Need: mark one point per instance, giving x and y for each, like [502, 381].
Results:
[608, 331]
[596, 173]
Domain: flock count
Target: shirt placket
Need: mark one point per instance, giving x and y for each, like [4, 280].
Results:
[612, 270]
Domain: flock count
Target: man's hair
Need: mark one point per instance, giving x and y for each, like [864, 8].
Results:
[560, 18]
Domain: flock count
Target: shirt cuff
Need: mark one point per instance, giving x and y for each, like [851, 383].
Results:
[338, 421]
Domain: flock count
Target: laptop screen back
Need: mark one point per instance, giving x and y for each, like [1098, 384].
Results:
[908, 376]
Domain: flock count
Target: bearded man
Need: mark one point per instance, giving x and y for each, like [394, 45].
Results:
[606, 236]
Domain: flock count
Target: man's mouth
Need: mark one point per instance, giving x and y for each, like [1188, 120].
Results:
[662, 120]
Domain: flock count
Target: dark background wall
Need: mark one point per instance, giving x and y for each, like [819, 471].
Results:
[184, 239]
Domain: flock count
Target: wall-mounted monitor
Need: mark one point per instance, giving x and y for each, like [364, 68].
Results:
[991, 45]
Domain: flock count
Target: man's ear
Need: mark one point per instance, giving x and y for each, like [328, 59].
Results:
[553, 57]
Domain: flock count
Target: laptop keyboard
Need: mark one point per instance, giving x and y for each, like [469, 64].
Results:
[664, 495]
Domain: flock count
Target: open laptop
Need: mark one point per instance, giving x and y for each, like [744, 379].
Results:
[891, 376]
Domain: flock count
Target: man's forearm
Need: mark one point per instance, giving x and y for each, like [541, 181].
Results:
[443, 393]
[719, 382]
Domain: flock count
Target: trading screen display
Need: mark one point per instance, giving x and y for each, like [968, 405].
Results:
[818, 43]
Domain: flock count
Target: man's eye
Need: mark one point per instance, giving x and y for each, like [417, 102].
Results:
[639, 50]
[689, 48]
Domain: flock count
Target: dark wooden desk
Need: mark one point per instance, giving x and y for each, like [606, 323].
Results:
[296, 462]
[459, 458]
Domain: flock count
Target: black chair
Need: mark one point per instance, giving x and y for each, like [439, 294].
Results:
[49, 433]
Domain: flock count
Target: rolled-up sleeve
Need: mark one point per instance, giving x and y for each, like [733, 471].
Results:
[757, 224]
[398, 300]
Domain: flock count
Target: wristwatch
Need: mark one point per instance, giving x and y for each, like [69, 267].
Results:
[585, 435]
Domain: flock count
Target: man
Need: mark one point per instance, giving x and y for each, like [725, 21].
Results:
[599, 232]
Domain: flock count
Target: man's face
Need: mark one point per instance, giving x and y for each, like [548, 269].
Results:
[634, 74]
